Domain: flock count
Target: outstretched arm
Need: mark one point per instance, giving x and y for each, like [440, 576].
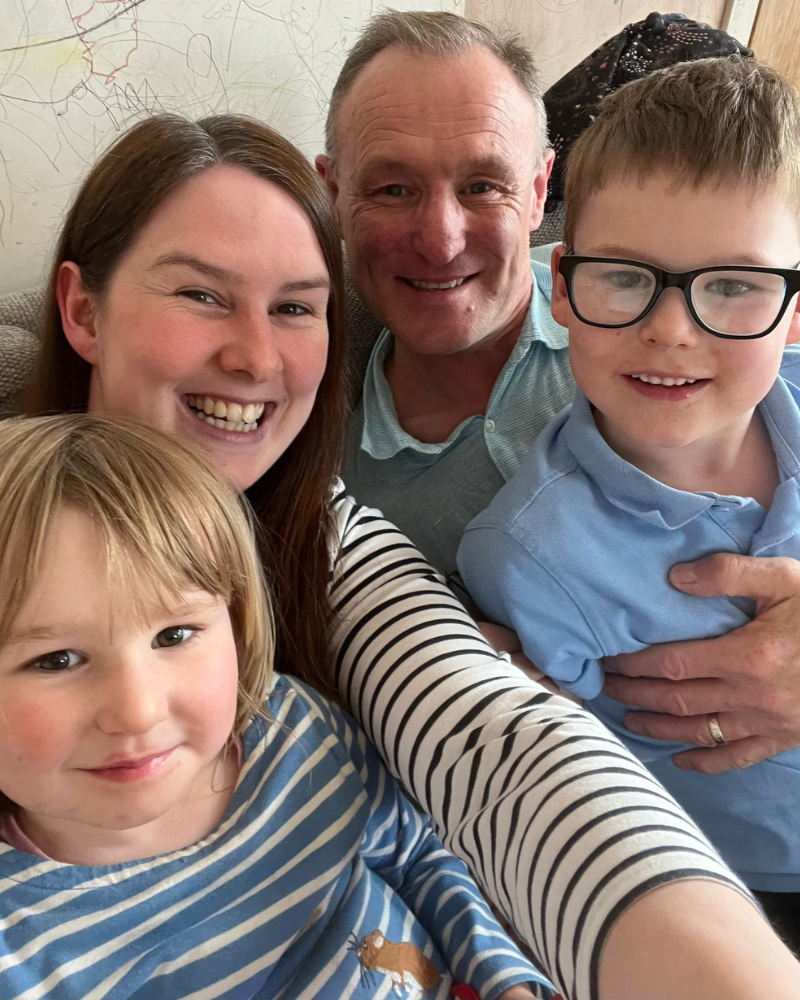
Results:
[565, 831]
[749, 678]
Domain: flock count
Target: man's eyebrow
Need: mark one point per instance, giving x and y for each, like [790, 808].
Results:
[495, 166]
[189, 260]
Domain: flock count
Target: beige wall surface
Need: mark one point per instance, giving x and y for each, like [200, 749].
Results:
[562, 32]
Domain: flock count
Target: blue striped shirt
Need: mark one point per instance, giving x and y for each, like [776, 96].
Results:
[318, 850]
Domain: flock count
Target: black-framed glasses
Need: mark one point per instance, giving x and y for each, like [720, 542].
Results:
[736, 302]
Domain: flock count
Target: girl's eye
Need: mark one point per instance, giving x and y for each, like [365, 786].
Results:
[59, 660]
[293, 309]
[175, 635]
[196, 295]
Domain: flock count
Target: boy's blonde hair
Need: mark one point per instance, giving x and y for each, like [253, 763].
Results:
[712, 120]
[165, 517]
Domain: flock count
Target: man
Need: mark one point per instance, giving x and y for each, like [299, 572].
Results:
[437, 165]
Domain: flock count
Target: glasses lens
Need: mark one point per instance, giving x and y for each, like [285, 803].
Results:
[738, 303]
[611, 293]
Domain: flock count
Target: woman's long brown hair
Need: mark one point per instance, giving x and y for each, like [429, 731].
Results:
[292, 500]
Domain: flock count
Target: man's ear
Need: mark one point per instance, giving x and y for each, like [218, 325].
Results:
[77, 312]
[540, 189]
[559, 300]
[793, 335]
[324, 166]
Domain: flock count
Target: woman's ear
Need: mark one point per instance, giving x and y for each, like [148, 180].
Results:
[559, 300]
[77, 312]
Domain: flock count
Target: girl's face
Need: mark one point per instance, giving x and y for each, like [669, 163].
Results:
[214, 325]
[113, 721]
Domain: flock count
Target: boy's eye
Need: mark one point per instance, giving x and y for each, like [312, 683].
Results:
[175, 635]
[729, 287]
[58, 660]
[626, 279]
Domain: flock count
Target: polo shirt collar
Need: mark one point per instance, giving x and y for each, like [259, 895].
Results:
[633, 491]
[382, 436]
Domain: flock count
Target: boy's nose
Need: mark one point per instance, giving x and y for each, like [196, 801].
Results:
[670, 324]
[132, 701]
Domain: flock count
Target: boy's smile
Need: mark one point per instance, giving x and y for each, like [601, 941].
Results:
[664, 388]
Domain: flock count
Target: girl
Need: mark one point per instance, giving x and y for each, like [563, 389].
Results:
[179, 820]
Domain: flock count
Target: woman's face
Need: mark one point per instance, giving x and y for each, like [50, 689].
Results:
[213, 326]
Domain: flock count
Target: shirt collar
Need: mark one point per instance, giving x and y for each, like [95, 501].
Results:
[638, 494]
[382, 436]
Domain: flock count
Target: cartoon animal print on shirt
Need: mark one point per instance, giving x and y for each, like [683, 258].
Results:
[408, 969]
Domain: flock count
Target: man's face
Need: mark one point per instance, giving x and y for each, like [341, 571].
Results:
[438, 184]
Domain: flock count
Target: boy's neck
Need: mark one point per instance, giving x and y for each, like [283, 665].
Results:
[738, 460]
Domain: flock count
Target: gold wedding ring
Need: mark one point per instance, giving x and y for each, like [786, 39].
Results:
[714, 730]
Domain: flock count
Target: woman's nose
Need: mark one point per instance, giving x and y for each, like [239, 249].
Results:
[133, 699]
[252, 349]
[669, 323]
[439, 234]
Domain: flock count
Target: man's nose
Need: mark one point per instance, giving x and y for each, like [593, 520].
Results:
[133, 699]
[669, 323]
[252, 348]
[439, 229]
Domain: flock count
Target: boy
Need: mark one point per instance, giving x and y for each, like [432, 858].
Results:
[679, 289]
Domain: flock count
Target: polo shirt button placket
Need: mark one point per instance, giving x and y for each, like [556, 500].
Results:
[490, 426]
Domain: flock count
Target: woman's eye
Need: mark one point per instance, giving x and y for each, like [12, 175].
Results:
[196, 295]
[293, 309]
[175, 635]
[57, 661]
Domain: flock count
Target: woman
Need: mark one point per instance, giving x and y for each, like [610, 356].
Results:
[198, 286]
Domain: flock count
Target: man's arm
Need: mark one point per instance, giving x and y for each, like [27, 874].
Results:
[749, 678]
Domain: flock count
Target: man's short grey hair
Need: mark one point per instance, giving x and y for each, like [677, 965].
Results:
[437, 33]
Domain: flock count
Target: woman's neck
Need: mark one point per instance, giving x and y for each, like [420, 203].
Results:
[737, 460]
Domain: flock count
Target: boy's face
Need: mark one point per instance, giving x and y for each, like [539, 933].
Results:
[679, 229]
[112, 718]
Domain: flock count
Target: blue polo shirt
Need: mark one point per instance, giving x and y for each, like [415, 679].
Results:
[431, 491]
[574, 553]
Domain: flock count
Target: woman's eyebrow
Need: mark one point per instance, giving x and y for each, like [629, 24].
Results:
[188, 260]
[322, 281]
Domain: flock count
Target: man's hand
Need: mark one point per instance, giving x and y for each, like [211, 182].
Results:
[750, 677]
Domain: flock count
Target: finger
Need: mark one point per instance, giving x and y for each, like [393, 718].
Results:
[499, 637]
[726, 574]
[687, 698]
[693, 729]
[678, 661]
[732, 756]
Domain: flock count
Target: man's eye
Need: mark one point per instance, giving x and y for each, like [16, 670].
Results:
[393, 190]
[175, 635]
[57, 661]
[480, 187]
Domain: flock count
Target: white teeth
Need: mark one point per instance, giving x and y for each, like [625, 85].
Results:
[435, 285]
[226, 416]
[655, 380]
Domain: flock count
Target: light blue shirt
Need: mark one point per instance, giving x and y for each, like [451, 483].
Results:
[574, 554]
[431, 491]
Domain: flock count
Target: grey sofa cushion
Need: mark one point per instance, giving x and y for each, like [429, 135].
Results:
[20, 316]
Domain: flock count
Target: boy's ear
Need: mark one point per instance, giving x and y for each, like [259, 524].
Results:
[559, 300]
[793, 335]
[77, 310]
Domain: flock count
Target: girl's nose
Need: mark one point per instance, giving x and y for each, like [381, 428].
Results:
[132, 701]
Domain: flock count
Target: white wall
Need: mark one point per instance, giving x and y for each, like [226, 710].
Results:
[74, 73]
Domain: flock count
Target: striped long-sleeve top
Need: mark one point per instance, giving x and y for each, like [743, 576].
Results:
[321, 881]
[562, 827]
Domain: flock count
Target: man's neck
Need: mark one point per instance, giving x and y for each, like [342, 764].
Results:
[434, 393]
